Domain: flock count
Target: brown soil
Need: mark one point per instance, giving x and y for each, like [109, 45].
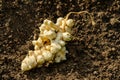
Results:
[94, 53]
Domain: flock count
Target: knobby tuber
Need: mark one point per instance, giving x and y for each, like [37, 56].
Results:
[50, 45]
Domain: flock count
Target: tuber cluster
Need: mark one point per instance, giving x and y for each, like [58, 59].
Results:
[50, 45]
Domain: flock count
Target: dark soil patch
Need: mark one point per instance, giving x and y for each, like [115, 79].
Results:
[94, 53]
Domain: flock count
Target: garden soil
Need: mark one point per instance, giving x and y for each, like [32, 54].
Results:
[94, 51]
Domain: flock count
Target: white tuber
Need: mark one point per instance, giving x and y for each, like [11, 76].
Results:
[47, 55]
[49, 34]
[40, 60]
[55, 47]
[66, 36]
[59, 21]
[61, 55]
[50, 45]
[70, 22]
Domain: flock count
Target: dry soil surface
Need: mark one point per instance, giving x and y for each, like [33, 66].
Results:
[94, 52]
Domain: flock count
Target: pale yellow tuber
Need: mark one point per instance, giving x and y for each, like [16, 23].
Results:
[50, 45]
